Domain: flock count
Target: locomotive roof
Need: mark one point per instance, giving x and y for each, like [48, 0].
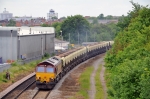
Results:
[53, 60]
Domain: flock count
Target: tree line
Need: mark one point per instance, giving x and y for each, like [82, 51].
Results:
[78, 30]
[128, 62]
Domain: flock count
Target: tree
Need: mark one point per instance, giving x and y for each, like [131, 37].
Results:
[95, 21]
[101, 32]
[54, 18]
[101, 16]
[57, 26]
[11, 23]
[62, 18]
[124, 21]
[77, 26]
[128, 60]
[109, 17]
[45, 25]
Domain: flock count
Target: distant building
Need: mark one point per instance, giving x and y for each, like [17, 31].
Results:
[52, 15]
[104, 21]
[5, 15]
[24, 18]
[60, 44]
[29, 21]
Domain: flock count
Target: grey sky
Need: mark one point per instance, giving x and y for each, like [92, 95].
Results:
[40, 8]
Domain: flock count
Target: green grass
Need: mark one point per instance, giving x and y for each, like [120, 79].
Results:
[17, 69]
[84, 81]
[98, 85]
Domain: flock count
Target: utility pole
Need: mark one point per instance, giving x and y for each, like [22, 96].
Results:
[86, 36]
[19, 44]
[11, 47]
[69, 37]
[78, 37]
[61, 39]
[94, 37]
[42, 42]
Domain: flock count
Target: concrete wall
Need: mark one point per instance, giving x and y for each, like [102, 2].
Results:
[8, 45]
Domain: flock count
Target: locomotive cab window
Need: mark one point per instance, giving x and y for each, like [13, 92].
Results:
[40, 69]
[50, 69]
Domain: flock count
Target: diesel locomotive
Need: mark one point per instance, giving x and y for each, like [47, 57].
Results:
[51, 70]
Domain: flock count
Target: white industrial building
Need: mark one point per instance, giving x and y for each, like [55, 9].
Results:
[5, 15]
[51, 14]
[25, 43]
[60, 44]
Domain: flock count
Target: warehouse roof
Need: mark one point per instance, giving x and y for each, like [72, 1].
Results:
[30, 30]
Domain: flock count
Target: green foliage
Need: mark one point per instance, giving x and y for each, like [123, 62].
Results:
[11, 23]
[75, 25]
[101, 16]
[124, 21]
[129, 59]
[14, 64]
[109, 17]
[46, 55]
[102, 32]
[62, 18]
[84, 81]
[57, 26]
[45, 25]
[17, 69]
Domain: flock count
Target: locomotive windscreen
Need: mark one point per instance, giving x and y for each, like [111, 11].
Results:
[40, 69]
[49, 69]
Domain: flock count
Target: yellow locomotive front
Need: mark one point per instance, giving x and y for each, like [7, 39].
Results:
[46, 73]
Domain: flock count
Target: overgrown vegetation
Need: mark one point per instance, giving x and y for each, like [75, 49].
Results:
[129, 59]
[84, 82]
[17, 70]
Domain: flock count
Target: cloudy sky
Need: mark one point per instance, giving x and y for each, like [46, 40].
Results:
[40, 8]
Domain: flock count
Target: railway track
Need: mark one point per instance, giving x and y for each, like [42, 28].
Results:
[41, 94]
[19, 90]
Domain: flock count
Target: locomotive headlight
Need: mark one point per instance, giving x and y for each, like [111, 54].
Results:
[51, 79]
[38, 78]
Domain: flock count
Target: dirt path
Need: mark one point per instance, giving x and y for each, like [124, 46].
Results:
[69, 84]
[92, 91]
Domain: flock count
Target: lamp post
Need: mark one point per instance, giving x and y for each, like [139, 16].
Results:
[19, 44]
[61, 39]
[78, 38]
[42, 43]
[11, 47]
[86, 36]
[69, 37]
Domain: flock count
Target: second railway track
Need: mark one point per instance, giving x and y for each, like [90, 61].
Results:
[18, 90]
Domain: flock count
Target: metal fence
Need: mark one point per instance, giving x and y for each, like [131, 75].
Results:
[29, 60]
[4, 66]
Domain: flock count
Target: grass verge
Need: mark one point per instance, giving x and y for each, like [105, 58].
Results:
[17, 72]
[108, 75]
[98, 85]
[84, 82]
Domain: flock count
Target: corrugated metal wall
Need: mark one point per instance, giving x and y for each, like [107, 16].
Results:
[24, 46]
[8, 45]
[32, 45]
